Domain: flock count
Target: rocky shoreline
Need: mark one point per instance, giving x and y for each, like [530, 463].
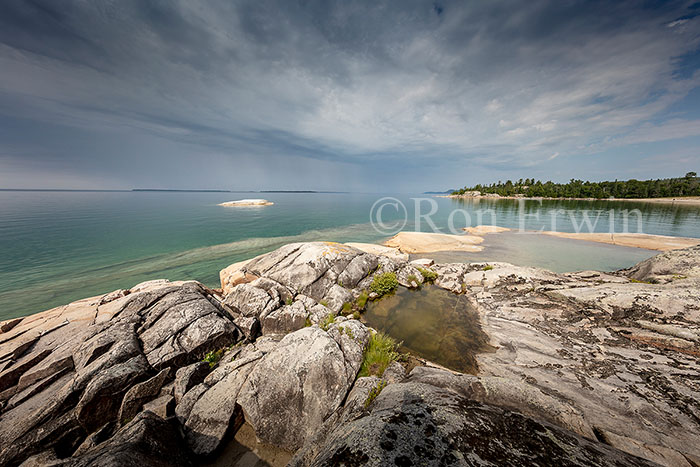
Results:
[588, 368]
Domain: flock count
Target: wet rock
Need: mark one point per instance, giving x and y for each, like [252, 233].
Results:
[7, 325]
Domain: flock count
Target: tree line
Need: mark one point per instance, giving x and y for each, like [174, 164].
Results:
[660, 188]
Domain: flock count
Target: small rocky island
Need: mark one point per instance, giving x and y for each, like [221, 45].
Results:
[247, 202]
[587, 368]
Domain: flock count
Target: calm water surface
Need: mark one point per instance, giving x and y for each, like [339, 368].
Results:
[56, 247]
[432, 323]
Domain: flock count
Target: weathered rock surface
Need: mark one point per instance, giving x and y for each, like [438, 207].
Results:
[420, 424]
[146, 440]
[591, 352]
[588, 368]
[71, 370]
[668, 266]
[294, 388]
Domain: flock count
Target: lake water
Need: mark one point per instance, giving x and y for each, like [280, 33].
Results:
[56, 247]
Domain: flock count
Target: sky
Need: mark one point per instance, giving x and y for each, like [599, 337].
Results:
[404, 96]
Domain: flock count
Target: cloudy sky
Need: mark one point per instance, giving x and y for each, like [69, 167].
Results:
[376, 96]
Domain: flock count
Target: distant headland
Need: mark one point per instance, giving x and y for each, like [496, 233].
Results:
[685, 189]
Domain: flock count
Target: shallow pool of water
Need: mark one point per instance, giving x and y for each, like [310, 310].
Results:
[432, 323]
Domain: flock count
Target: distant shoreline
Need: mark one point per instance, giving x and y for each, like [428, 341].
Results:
[684, 200]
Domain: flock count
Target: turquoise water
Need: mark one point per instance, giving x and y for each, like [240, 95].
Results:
[56, 247]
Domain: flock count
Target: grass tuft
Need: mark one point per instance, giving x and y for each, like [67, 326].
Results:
[384, 283]
[213, 357]
[327, 321]
[373, 393]
[380, 352]
[428, 275]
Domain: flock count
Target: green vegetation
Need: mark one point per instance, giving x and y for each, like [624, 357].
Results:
[361, 300]
[347, 331]
[214, 357]
[327, 321]
[384, 283]
[289, 301]
[412, 278]
[650, 281]
[428, 275]
[356, 315]
[323, 302]
[307, 323]
[347, 308]
[660, 188]
[380, 352]
[374, 392]
[488, 267]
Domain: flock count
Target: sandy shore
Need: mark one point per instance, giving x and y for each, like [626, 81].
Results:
[648, 241]
[424, 242]
[687, 200]
[247, 202]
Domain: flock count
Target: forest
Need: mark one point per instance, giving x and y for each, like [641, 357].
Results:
[660, 188]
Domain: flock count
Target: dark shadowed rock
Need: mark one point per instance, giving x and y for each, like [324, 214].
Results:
[249, 325]
[102, 396]
[141, 393]
[73, 365]
[414, 424]
[147, 440]
[162, 406]
[188, 377]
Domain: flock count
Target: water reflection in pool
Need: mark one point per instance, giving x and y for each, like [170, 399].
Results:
[432, 323]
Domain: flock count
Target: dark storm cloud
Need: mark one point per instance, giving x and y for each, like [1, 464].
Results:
[325, 94]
